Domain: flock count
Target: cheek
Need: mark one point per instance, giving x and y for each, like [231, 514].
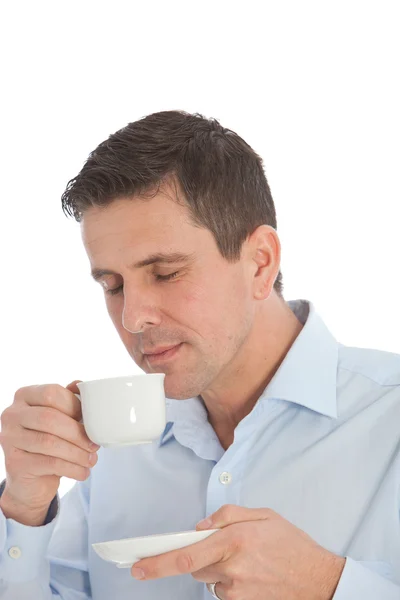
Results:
[193, 302]
[126, 337]
[115, 309]
[213, 311]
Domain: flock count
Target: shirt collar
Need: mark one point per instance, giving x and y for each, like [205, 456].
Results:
[306, 376]
[308, 373]
[190, 413]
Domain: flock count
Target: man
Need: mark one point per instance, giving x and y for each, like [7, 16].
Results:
[284, 439]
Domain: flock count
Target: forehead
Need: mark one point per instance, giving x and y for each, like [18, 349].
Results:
[134, 216]
[140, 227]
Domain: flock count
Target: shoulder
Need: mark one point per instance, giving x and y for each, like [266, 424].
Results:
[368, 391]
[376, 366]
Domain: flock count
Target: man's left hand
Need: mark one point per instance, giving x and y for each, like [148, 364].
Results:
[257, 555]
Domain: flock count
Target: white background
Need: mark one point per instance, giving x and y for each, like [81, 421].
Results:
[312, 86]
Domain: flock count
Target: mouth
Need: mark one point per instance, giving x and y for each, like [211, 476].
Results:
[162, 355]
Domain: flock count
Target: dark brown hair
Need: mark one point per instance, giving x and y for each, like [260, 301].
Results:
[220, 175]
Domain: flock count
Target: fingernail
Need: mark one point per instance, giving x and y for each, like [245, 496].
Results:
[204, 524]
[138, 573]
[93, 446]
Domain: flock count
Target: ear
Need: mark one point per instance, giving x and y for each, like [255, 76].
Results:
[265, 252]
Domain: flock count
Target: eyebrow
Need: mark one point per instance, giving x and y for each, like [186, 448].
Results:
[160, 257]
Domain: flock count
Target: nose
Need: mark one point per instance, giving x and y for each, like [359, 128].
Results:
[140, 312]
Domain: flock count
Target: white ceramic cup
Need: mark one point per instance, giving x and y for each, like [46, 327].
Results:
[122, 411]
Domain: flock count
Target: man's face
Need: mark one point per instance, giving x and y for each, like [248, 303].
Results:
[205, 309]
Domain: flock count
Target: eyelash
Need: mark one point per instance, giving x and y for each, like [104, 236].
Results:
[116, 291]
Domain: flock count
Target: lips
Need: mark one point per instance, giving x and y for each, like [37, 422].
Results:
[167, 354]
[160, 350]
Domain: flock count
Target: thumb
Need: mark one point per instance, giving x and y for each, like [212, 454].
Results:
[72, 387]
[229, 514]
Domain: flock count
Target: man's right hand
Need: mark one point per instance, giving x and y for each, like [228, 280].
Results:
[42, 440]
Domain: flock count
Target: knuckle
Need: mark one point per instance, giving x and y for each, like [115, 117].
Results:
[229, 570]
[9, 416]
[184, 563]
[4, 416]
[19, 395]
[49, 393]
[227, 512]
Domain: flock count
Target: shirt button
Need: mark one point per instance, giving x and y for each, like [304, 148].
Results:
[225, 478]
[14, 552]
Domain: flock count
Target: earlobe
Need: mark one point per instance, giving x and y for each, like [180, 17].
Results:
[264, 293]
[264, 284]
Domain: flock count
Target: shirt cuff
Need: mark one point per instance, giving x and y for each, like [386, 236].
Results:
[24, 548]
[361, 583]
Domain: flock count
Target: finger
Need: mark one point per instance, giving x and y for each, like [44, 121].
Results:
[230, 513]
[38, 465]
[192, 558]
[50, 420]
[38, 442]
[53, 396]
[73, 387]
[216, 572]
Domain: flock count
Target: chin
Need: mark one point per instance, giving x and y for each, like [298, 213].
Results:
[177, 390]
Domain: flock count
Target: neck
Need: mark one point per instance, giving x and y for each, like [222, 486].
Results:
[233, 396]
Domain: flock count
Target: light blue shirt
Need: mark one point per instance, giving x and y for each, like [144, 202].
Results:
[321, 447]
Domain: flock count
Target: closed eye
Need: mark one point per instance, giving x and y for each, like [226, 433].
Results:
[115, 290]
[168, 277]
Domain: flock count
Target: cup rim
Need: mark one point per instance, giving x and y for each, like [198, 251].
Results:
[120, 378]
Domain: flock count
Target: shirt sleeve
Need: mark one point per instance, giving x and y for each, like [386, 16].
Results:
[366, 581]
[48, 562]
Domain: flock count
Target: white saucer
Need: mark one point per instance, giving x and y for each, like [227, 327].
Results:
[126, 552]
